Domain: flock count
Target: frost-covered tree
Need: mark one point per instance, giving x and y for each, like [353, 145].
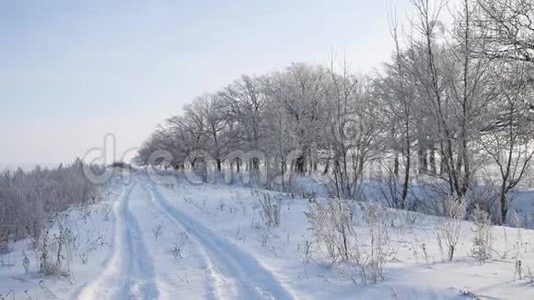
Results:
[428, 116]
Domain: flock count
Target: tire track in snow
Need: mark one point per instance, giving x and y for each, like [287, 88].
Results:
[218, 286]
[249, 279]
[129, 274]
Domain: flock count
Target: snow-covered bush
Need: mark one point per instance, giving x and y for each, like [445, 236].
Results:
[482, 242]
[374, 258]
[156, 231]
[449, 227]
[177, 248]
[331, 224]
[270, 209]
[54, 247]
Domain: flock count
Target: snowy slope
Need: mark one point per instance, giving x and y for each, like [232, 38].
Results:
[209, 242]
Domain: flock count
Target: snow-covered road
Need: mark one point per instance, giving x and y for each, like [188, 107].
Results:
[129, 273]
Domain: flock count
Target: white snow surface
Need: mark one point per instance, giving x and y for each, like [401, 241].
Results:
[212, 244]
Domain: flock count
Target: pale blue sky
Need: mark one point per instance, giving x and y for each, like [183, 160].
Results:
[72, 71]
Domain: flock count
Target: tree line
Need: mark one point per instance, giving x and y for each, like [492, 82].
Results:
[29, 201]
[452, 108]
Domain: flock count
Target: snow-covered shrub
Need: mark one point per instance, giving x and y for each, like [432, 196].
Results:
[331, 224]
[270, 209]
[482, 241]
[449, 227]
[374, 258]
[54, 247]
[176, 250]
[156, 231]
[178, 247]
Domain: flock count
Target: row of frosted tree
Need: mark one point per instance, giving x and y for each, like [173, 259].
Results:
[451, 111]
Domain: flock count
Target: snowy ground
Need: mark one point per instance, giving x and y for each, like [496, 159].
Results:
[209, 242]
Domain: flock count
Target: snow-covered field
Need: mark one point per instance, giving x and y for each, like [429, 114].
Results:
[184, 241]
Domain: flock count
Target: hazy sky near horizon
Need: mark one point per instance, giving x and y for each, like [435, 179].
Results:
[72, 71]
